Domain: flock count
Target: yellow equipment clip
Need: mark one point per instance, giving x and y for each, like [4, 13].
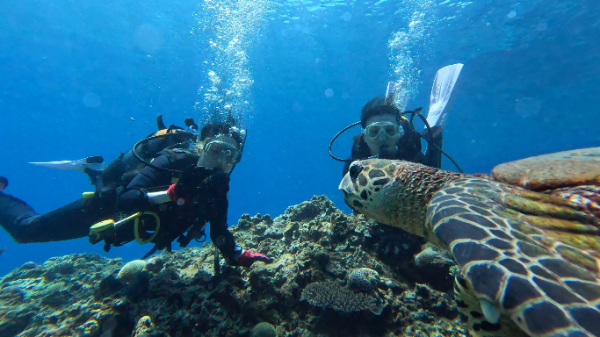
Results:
[137, 223]
[104, 225]
[87, 195]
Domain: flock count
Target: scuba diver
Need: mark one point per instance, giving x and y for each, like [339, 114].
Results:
[388, 134]
[168, 187]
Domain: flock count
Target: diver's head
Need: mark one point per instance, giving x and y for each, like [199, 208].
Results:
[220, 146]
[380, 120]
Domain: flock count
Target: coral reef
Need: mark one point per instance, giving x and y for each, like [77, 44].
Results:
[155, 264]
[362, 279]
[143, 327]
[321, 256]
[330, 294]
[264, 329]
[130, 270]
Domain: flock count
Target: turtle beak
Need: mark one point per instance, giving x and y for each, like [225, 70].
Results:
[346, 185]
[349, 188]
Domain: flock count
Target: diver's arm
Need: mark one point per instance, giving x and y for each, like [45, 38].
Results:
[217, 194]
[433, 155]
[135, 197]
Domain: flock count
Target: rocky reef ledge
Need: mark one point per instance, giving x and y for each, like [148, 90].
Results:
[333, 275]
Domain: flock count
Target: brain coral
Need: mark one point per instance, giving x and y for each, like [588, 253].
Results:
[155, 264]
[362, 279]
[130, 270]
[332, 295]
[263, 329]
[432, 255]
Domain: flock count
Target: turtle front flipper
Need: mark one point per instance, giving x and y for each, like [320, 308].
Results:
[477, 320]
[527, 267]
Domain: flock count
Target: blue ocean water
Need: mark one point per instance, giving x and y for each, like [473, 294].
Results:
[90, 78]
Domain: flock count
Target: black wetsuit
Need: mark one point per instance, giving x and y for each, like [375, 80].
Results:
[115, 197]
[408, 148]
[209, 204]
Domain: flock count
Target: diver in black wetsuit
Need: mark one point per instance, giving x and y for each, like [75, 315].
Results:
[389, 135]
[170, 198]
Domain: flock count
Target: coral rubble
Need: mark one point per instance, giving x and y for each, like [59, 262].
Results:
[333, 275]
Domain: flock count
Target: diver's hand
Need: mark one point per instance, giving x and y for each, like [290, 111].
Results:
[247, 258]
[435, 130]
[189, 184]
[218, 180]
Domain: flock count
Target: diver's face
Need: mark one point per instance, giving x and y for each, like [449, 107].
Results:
[381, 133]
[220, 152]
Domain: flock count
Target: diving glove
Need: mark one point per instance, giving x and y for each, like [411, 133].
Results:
[247, 258]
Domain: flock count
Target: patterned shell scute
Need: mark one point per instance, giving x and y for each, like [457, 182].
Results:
[562, 169]
[537, 262]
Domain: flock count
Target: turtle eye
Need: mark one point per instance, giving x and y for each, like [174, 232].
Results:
[355, 170]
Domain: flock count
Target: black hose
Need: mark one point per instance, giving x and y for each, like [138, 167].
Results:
[413, 113]
[335, 137]
[430, 140]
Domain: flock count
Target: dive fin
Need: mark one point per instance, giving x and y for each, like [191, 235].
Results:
[91, 163]
[159, 122]
[441, 93]
[189, 122]
[91, 166]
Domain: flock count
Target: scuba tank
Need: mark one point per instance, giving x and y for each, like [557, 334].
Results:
[122, 170]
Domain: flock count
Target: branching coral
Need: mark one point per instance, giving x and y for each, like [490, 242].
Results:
[332, 295]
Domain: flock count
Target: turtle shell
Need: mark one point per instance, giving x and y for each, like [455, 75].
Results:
[551, 171]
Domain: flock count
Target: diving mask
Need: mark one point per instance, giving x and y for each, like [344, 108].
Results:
[388, 129]
[222, 151]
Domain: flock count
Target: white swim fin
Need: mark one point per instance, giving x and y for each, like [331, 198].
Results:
[441, 93]
[93, 163]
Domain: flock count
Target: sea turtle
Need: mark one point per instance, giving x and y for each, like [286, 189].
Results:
[526, 237]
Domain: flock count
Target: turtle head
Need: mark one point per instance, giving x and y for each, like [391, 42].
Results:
[391, 192]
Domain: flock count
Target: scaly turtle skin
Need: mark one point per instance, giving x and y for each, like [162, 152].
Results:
[529, 261]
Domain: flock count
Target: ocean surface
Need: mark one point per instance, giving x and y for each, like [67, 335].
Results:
[82, 78]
